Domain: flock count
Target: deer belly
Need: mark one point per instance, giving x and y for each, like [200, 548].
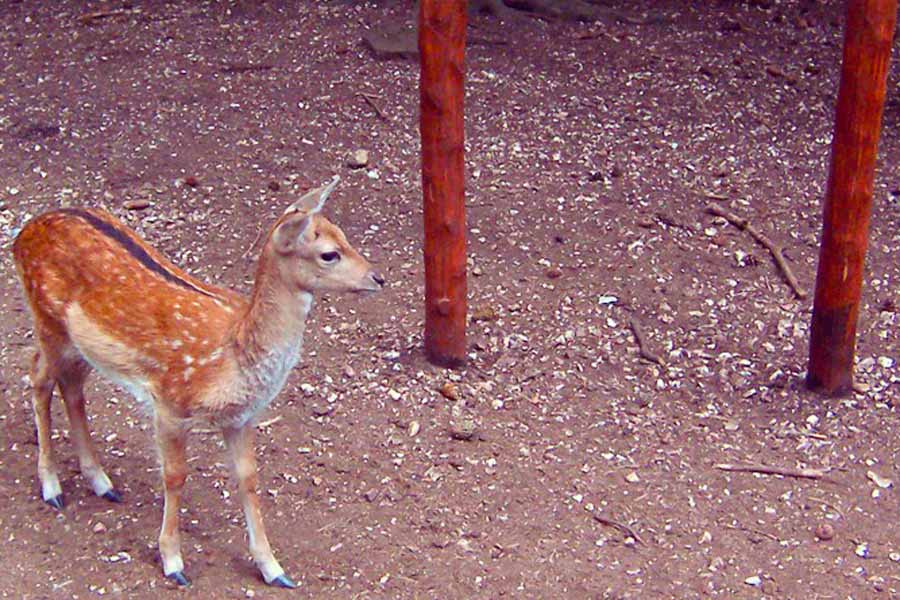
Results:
[113, 358]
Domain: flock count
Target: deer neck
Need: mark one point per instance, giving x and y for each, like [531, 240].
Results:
[273, 326]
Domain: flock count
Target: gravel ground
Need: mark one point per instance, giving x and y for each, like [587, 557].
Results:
[560, 463]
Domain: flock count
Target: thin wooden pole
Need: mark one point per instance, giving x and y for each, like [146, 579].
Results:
[848, 200]
[442, 35]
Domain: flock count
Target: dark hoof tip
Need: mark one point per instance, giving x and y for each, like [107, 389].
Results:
[179, 578]
[283, 581]
[56, 502]
[113, 495]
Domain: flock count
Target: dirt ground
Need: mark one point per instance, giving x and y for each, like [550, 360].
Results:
[593, 150]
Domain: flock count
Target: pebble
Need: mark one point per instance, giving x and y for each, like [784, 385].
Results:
[358, 159]
[99, 527]
[449, 391]
[824, 531]
[753, 580]
[136, 204]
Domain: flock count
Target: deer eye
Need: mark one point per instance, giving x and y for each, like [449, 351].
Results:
[330, 256]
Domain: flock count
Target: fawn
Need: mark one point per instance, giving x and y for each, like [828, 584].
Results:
[102, 298]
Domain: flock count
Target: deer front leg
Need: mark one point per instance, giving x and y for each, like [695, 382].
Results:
[243, 459]
[172, 442]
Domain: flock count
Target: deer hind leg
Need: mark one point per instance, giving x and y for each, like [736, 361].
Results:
[43, 381]
[172, 442]
[243, 458]
[71, 385]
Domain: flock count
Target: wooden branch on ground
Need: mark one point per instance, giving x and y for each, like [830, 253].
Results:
[751, 530]
[370, 100]
[269, 422]
[644, 350]
[775, 470]
[774, 250]
[89, 18]
[828, 505]
[253, 245]
[620, 526]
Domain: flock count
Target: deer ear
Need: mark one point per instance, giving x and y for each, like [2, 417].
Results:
[313, 201]
[287, 234]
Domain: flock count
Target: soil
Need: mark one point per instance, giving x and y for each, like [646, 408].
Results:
[569, 466]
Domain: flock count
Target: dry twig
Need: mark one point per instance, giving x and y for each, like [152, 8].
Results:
[828, 505]
[89, 18]
[253, 245]
[774, 250]
[620, 526]
[269, 422]
[751, 530]
[774, 470]
[370, 100]
[644, 350]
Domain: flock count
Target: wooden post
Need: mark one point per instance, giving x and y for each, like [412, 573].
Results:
[848, 200]
[442, 35]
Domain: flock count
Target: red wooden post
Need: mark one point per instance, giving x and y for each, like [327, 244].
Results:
[442, 36]
[848, 200]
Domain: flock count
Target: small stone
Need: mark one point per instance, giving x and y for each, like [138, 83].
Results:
[824, 531]
[885, 362]
[484, 313]
[754, 580]
[463, 430]
[371, 495]
[250, 594]
[99, 527]
[882, 482]
[632, 477]
[862, 550]
[191, 181]
[358, 159]
[449, 391]
[413, 429]
[274, 186]
[136, 204]
[553, 273]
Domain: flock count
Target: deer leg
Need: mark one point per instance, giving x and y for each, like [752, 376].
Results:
[71, 385]
[43, 384]
[172, 441]
[243, 459]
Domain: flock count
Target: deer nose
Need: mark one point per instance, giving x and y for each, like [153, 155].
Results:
[377, 278]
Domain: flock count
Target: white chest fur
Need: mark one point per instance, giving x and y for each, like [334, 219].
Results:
[261, 381]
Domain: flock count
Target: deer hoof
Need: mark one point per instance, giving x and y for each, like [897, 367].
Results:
[113, 495]
[179, 578]
[283, 581]
[56, 502]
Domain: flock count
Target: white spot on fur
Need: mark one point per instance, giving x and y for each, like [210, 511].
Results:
[188, 359]
[188, 372]
[176, 344]
[214, 355]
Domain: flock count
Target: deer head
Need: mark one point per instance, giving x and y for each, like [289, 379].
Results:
[311, 253]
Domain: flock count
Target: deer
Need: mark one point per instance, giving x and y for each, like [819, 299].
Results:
[101, 298]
